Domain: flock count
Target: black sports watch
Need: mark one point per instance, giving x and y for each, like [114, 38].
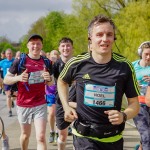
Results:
[124, 117]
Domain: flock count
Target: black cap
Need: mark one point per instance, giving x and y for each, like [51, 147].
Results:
[35, 36]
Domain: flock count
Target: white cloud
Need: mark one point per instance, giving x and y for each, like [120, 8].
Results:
[16, 16]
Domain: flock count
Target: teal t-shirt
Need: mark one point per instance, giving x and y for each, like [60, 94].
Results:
[5, 65]
[140, 73]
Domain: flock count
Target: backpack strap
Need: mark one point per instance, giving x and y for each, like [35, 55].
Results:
[47, 63]
[21, 65]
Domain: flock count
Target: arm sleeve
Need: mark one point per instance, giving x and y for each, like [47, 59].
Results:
[55, 70]
[131, 88]
[67, 74]
[14, 67]
[51, 68]
[72, 93]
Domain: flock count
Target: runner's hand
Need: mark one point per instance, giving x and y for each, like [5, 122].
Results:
[70, 114]
[24, 76]
[114, 116]
[46, 75]
[146, 78]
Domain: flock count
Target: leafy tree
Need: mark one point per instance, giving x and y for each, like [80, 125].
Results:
[54, 28]
[76, 31]
[133, 23]
[5, 45]
[130, 16]
[38, 28]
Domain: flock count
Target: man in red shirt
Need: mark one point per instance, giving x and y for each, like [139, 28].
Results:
[31, 103]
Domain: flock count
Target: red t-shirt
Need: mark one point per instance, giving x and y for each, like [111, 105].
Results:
[32, 93]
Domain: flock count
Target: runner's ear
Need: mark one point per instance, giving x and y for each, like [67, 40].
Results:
[89, 39]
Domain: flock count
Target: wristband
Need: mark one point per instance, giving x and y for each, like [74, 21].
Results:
[124, 117]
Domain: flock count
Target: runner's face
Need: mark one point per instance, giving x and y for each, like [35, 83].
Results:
[54, 56]
[146, 55]
[35, 46]
[18, 55]
[9, 55]
[102, 38]
[66, 49]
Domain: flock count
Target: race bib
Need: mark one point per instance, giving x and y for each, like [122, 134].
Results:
[35, 77]
[99, 96]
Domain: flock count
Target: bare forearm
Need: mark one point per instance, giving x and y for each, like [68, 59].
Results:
[73, 104]
[63, 93]
[133, 108]
[147, 97]
[10, 79]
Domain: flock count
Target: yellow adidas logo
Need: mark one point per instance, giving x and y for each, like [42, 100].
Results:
[86, 76]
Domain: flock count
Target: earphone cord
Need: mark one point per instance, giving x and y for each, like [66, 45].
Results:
[117, 47]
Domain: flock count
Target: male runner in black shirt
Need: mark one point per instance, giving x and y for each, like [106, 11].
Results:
[102, 78]
[66, 52]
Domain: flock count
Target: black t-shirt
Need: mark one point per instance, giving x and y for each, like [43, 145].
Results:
[58, 67]
[95, 81]
[72, 93]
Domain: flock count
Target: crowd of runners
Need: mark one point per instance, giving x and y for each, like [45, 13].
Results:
[81, 95]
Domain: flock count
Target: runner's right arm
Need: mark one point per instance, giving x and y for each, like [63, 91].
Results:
[63, 88]
[12, 77]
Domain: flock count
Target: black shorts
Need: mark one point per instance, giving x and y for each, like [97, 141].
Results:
[60, 122]
[7, 87]
[1, 74]
[12, 88]
[82, 143]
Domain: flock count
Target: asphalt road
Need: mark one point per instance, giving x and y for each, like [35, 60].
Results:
[12, 129]
[4, 112]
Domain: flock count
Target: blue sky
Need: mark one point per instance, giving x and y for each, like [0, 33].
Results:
[16, 16]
